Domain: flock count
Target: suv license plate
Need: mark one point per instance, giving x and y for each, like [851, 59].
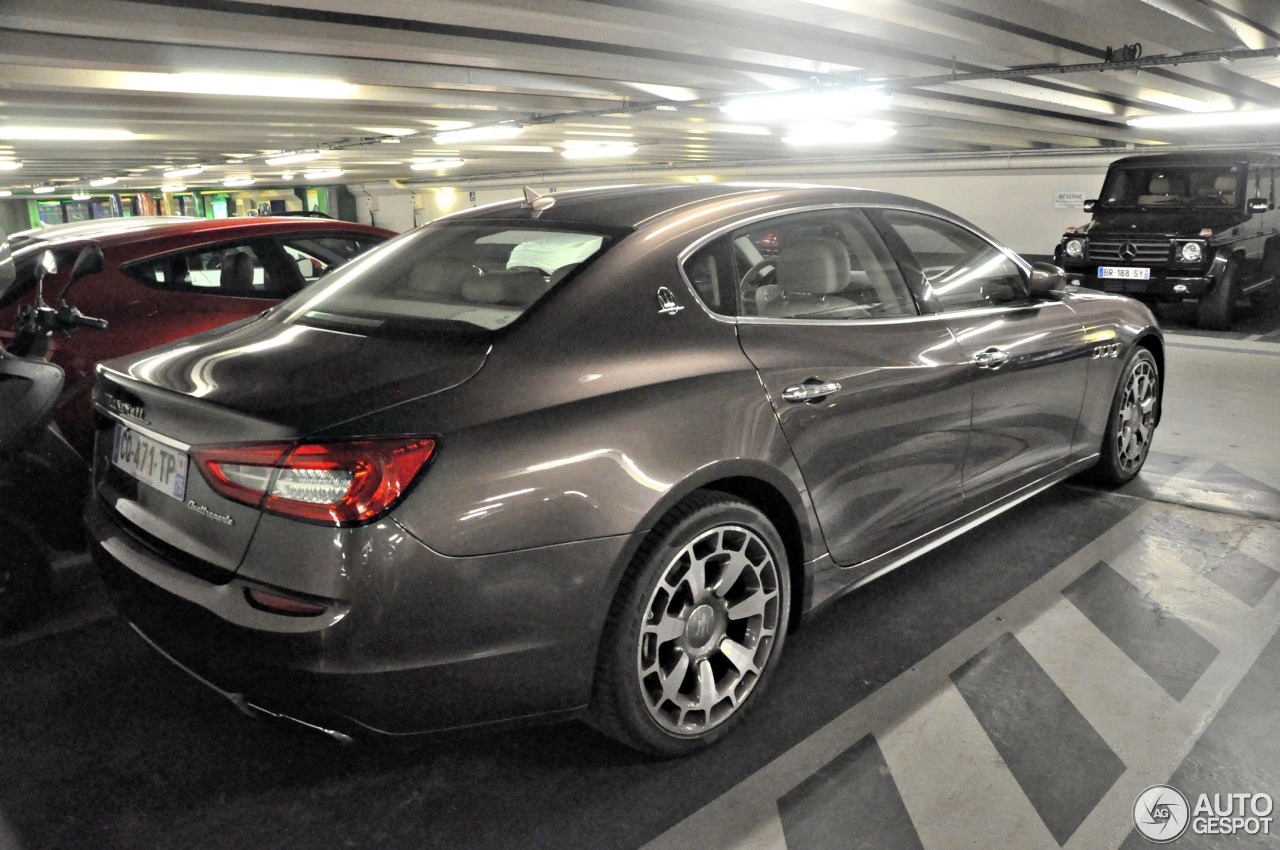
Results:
[1123, 273]
[150, 462]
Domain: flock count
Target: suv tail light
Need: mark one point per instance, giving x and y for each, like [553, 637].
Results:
[345, 483]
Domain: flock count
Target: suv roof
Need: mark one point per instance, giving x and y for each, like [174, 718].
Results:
[1194, 158]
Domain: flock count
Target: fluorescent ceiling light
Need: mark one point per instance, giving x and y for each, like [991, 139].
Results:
[190, 171]
[435, 163]
[483, 133]
[293, 156]
[238, 181]
[248, 85]
[1193, 120]
[63, 134]
[4, 193]
[169, 188]
[829, 133]
[288, 175]
[9, 165]
[43, 190]
[806, 104]
[104, 181]
[390, 140]
[80, 196]
[600, 150]
[322, 173]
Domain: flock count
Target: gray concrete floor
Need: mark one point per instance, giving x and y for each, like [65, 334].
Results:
[1016, 688]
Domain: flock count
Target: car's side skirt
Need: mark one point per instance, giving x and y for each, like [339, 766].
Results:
[835, 581]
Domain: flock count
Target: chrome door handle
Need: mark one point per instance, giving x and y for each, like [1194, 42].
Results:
[991, 358]
[810, 392]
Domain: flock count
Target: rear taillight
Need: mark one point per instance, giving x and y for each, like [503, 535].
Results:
[346, 483]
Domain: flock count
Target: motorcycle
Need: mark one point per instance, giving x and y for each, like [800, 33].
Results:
[43, 482]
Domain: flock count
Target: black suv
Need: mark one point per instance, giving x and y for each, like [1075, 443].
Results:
[1176, 227]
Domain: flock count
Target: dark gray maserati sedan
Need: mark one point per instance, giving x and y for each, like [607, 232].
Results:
[594, 454]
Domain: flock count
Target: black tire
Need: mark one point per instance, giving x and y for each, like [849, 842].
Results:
[1216, 309]
[1131, 422]
[671, 637]
[26, 580]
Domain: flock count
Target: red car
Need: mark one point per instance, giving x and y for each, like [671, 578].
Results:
[168, 277]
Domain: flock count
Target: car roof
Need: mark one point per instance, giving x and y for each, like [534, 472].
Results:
[1195, 158]
[635, 207]
[119, 231]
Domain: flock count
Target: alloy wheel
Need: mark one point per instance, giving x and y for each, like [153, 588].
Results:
[709, 628]
[1137, 416]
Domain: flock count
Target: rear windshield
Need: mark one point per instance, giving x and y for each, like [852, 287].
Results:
[449, 275]
[1158, 187]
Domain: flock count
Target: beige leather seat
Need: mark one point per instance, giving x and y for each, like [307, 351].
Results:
[810, 271]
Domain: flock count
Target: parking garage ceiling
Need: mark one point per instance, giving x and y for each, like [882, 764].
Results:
[217, 82]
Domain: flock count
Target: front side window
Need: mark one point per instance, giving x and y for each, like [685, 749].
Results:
[317, 255]
[449, 276]
[826, 265]
[963, 271]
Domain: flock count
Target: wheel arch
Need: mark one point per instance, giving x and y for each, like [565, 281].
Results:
[1154, 344]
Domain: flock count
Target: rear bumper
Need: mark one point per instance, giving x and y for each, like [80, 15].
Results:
[418, 643]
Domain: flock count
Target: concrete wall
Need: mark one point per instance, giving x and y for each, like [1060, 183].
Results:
[1019, 203]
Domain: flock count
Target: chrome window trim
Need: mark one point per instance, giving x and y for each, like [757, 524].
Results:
[703, 241]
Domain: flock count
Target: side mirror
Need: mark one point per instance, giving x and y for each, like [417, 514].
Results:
[1091, 205]
[1048, 282]
[7, 270]
[1259, 205]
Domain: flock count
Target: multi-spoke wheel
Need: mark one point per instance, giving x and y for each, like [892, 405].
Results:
[696, 629]
[1132, 425]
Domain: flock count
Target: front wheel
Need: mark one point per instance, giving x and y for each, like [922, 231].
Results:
[696, 629]
[1132, 422]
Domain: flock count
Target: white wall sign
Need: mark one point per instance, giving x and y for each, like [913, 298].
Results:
[1070, 200]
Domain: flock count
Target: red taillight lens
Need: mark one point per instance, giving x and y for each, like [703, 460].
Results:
[346, 483]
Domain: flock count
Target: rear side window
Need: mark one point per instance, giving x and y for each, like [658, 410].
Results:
[963, 271]
[825, 265]
[253, 269]
[449, 275]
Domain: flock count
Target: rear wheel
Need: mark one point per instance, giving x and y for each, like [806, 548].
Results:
[1217, 308]
[696, 629]
[1132, 423]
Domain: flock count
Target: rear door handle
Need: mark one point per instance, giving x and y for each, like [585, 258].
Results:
[991, 358]
[810, 391]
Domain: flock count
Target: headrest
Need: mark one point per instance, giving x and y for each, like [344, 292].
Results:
[1160, 185]
[818, 265]
[441, 276]
[516, 288]
[1226, 184]
[237, 271]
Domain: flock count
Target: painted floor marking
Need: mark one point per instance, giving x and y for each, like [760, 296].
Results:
[955, 786]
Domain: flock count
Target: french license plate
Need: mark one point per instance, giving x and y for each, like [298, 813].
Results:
[150, 462]
[1124, 273]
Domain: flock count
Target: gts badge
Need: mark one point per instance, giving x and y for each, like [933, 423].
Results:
[1111, 349]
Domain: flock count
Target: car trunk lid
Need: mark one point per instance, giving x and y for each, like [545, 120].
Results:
[260, 381]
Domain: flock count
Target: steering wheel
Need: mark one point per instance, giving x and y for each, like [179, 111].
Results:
[756, 272]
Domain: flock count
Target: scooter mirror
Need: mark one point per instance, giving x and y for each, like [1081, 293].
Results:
[88, 261]
[45, 266]
[7, 271]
